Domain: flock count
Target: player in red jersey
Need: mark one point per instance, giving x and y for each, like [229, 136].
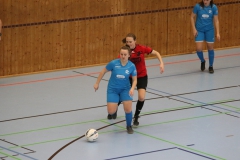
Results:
[138, 58]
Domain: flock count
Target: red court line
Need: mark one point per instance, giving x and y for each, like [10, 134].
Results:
[191, 60]
[79, 75]
[47, 79]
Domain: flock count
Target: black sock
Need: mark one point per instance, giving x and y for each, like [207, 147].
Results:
[139, 107]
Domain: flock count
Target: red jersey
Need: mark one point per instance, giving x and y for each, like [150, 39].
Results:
[138, 58]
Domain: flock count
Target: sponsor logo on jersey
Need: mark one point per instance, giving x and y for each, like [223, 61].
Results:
[120, 76]
[117, 66]
[205, 16]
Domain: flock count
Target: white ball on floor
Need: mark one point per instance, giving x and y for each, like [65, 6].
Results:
[91, 135]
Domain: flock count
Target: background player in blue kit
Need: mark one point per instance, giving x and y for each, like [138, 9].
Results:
[119, 88]
[203, 29]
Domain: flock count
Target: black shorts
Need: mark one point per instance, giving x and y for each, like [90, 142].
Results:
[141, 82]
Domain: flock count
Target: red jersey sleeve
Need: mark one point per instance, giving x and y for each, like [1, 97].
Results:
[143, 49]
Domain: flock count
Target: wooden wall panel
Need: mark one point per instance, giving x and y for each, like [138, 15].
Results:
[162, 35]
[229, 26]
[43, 35]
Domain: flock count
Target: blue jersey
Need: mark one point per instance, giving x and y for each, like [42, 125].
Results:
[120, 74]
[205, 17]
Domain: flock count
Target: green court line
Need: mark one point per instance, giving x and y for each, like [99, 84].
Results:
[178, 120]
[185, 107]
[122, 128]
[175, 144]
[61, 139]
[67, 125]
[230, 106]
[102, 132]
[188, 148]
[5, 154]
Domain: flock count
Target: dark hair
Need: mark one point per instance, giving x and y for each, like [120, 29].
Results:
[129, 35]
[202, 4]
[126, 48]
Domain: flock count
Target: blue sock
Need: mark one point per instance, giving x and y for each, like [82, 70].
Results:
[128, 118]
[211, 57]
[200, 56]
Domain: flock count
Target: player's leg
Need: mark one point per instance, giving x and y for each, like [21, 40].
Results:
[210, 45]
[199, 47]
[141, 87]
[127, 104]
[111, 107]
[112, 101]
[114, 115]
[128, 115]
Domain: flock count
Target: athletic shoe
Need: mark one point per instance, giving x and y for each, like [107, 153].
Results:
[114, 116]
[135, 121]
[129, 130]
[109, 116]
[203, 66]
[211, 69]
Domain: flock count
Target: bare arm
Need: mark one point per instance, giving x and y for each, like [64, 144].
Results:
[160, 60]
[195, 33]
[134, 83]
[216, 21]
[100, 76]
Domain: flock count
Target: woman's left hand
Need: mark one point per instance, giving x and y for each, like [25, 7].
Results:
[161, 68]
[131, 92]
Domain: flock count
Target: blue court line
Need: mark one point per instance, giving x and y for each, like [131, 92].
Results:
[195, 101]
[10, 156]
[160, 151]
[190, 73]
[18, 153]
[196, 154]
[141, 153]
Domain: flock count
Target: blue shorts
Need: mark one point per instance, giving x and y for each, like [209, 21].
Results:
[115, 95]
[207, 36]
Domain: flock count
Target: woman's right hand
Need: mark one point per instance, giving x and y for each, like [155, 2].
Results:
[195, 33]
[95, 87]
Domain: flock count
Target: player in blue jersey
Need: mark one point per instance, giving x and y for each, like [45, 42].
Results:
[206, 13]
[119, 87]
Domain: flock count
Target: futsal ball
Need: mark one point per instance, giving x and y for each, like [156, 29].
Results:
[91, 135]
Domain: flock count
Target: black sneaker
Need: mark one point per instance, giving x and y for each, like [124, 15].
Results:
[114, 116]
[129, 130]
[135, 121]
[203, 66]
[109, 116]
[210, 69]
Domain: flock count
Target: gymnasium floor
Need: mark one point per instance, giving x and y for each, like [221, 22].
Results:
[188, 114]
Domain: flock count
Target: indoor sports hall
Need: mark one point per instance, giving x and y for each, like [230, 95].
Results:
[51, 53]
[188, 114]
